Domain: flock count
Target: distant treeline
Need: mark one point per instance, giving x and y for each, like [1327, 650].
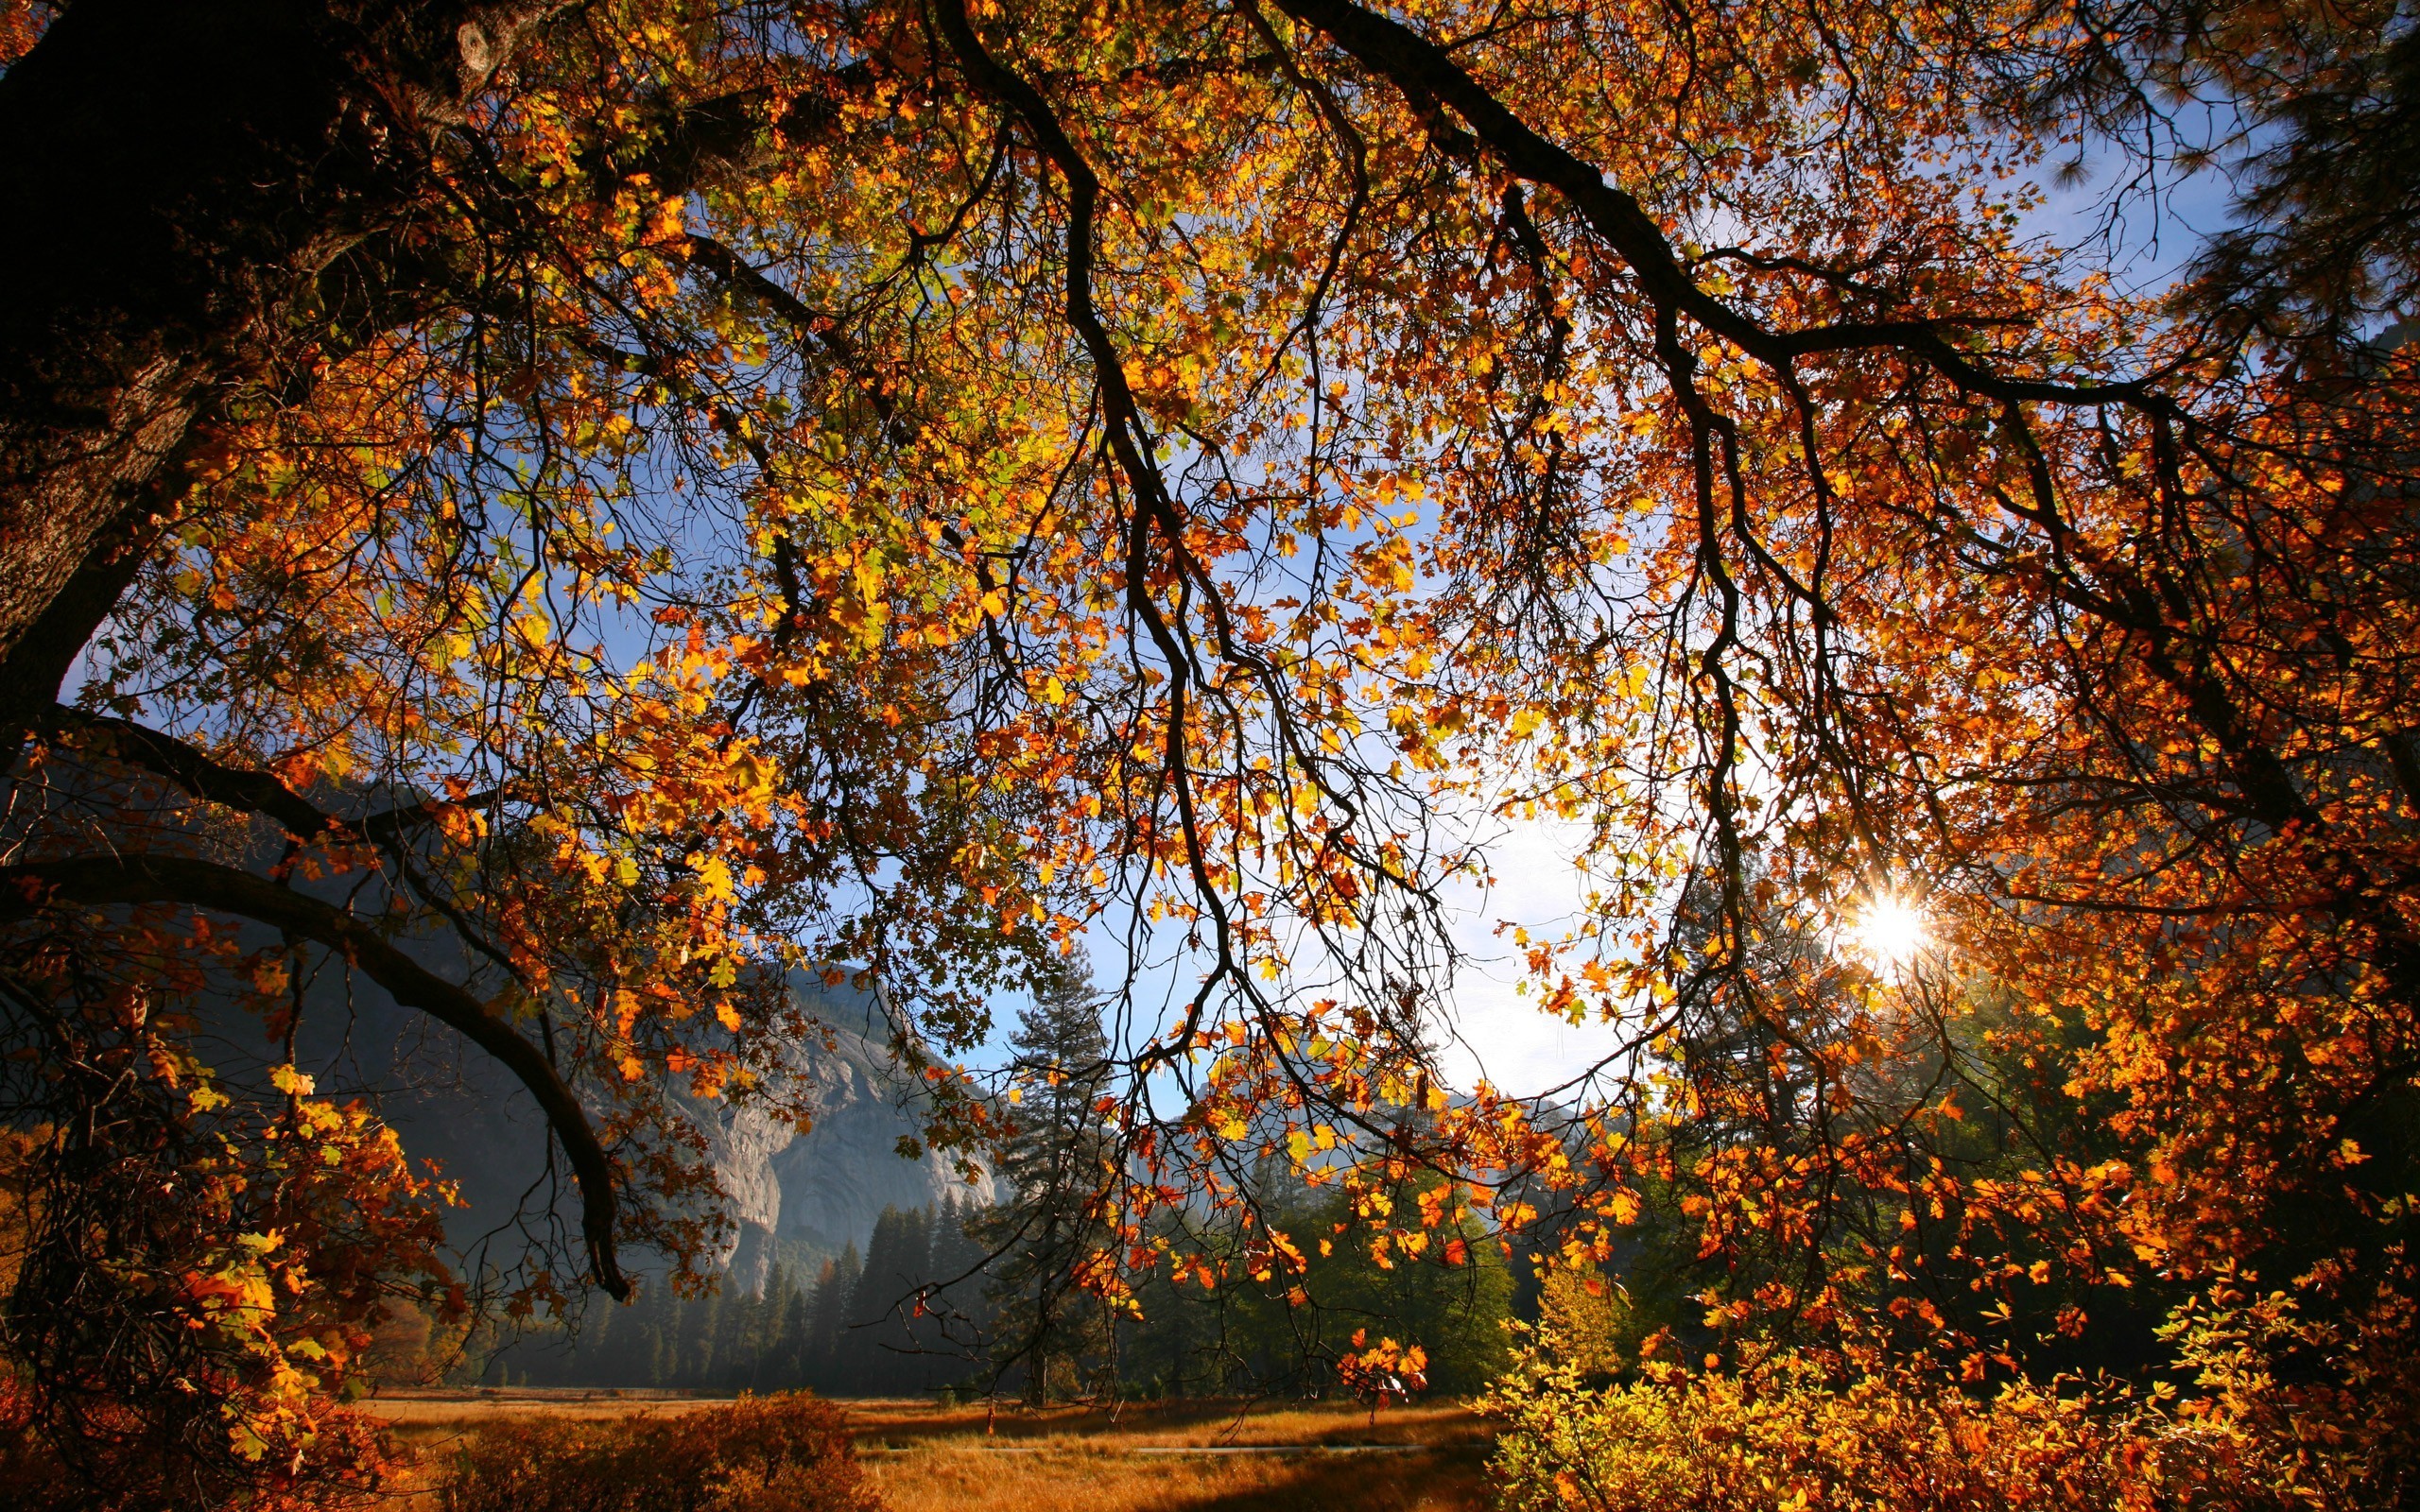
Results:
[844, 1331]
[1004, 1319]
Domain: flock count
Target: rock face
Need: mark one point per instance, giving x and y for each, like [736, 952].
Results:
[810, 1195]
[794, 1197]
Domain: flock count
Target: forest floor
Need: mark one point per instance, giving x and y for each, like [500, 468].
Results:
[1154, 1457]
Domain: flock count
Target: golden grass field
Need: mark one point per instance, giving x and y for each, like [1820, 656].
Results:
[1179, 1457]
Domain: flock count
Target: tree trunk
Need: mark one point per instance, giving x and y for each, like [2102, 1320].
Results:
[202, 189]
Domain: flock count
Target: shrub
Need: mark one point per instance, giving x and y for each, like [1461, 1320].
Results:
[2270, 1408]
[115, 1456]
[1716, 1443]
[780, 1453]
[1782, 1437]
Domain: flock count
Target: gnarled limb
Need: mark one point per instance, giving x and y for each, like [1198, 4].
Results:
[251, 152]
[28, 887]
[1425, 71]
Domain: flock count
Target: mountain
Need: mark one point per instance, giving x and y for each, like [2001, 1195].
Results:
[800, 1198]
[796, 1198]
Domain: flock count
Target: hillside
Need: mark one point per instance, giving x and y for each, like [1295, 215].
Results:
[798, 1199]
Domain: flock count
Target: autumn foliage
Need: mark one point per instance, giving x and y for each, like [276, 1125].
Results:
[2254, 1427]
[783, 1454]
[345, 1459]
[597, 508]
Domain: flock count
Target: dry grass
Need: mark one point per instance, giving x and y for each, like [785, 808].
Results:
[429, 1421]
[418, 1413]
[927, 1459]
[1185, 1424]
[1080, 1480]
[924, 1458]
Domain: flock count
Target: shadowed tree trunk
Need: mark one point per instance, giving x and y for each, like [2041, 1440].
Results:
[200, 195]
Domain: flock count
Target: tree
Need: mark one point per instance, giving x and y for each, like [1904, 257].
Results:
[288, 186]
[1178, 463]
[879, 1341]
[828, 1314]
[250, 323]
[959, 1319]
[1058, 1165]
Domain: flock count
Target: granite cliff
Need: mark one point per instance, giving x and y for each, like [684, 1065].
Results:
[796, 1198]
[801, 1197]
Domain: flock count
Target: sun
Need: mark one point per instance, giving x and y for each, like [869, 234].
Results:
[1890, 930]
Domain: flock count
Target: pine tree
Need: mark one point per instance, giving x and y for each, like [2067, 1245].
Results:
[785, 1353]
[964, 1312]
[1056, 1165]
[701, 1331]
[881, 1341]
[763, 1329]
[662, 1346]
[737, 1340]
[828, 1320]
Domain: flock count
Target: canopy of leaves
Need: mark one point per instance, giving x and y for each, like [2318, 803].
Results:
[720, 487]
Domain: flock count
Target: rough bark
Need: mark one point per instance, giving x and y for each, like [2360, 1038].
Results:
[200, 192]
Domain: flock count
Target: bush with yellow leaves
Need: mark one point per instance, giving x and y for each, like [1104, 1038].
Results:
[2276, 1411]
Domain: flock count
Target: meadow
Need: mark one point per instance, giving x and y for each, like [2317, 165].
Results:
[1191, 1457]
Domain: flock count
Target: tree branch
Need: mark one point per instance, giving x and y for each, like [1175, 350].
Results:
[1425, 71]
[28, 888]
